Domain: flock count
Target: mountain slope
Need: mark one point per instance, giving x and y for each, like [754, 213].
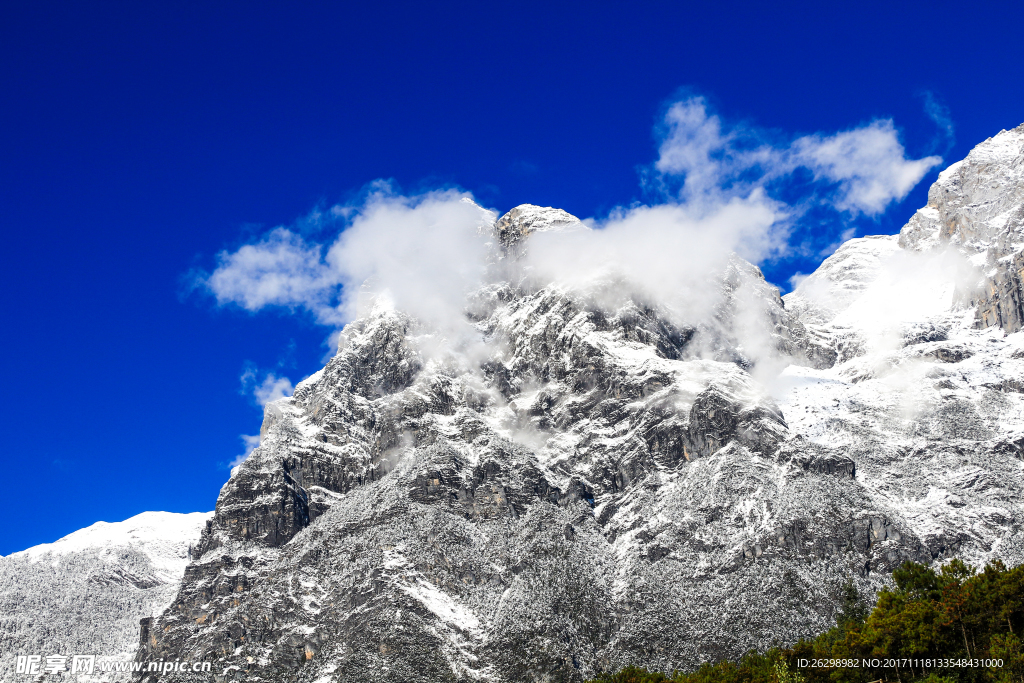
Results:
[594, 480]
[85, 593]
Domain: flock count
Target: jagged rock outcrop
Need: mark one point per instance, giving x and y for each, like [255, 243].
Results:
[977, 206]
[519, 223]
[590, 481]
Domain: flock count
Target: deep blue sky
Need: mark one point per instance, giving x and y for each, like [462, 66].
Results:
[139, 139]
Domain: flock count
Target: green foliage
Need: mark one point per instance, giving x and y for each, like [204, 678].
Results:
[783, 674]
[854, 609]
[954, 613]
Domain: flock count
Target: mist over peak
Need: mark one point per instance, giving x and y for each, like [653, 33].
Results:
[720, 186]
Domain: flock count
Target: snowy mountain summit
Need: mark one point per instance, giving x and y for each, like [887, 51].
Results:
[85, 593]
[597, 477]
[163, 537]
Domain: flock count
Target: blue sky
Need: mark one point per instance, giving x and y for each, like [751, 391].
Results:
[140, 140]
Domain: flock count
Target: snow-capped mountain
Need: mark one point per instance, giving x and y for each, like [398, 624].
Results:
[85, 593]
[595, 481]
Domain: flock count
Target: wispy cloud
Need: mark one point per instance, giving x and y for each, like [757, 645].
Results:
[422, 252]
[868, 165]
[733, 188]
[269, 388]
[861, 171]
[724, 188]
[939, 114]
[251, 443]
[263, 390]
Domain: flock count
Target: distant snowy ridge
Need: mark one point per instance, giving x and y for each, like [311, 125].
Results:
[163, 537]
[86, 592]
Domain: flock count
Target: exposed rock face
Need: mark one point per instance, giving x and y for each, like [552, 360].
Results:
[606, 484]
[85, 593]
[977, 205]
[522, 221]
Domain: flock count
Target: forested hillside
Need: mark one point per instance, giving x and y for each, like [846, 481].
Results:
[954, 624]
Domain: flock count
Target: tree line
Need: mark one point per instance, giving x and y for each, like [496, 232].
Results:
[951, 625]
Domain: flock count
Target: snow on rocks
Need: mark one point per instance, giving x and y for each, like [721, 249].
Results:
[163, 537]
[85, 593]
[595, 481]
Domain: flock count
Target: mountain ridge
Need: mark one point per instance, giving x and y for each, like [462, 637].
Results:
[587, 488]
[86, 592]
[602, 481]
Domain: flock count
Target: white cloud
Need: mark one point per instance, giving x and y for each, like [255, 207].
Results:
[281, 269]
[796, 278]
[869, 164]
[251, 443]
[724, 205]
[864, 169]
[424, 253]
[273, 388]
[711, 158]
[270, 388]
[669, 253]
[696, 147]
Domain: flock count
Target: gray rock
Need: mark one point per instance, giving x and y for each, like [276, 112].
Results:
[608, 484]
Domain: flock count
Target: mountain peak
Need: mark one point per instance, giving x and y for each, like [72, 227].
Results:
[526, 219]
[595, 463]
[86, 592]
[164, 537]
[976, 204]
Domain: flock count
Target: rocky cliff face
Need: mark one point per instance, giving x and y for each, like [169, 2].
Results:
[977, 205]
[591, 481]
